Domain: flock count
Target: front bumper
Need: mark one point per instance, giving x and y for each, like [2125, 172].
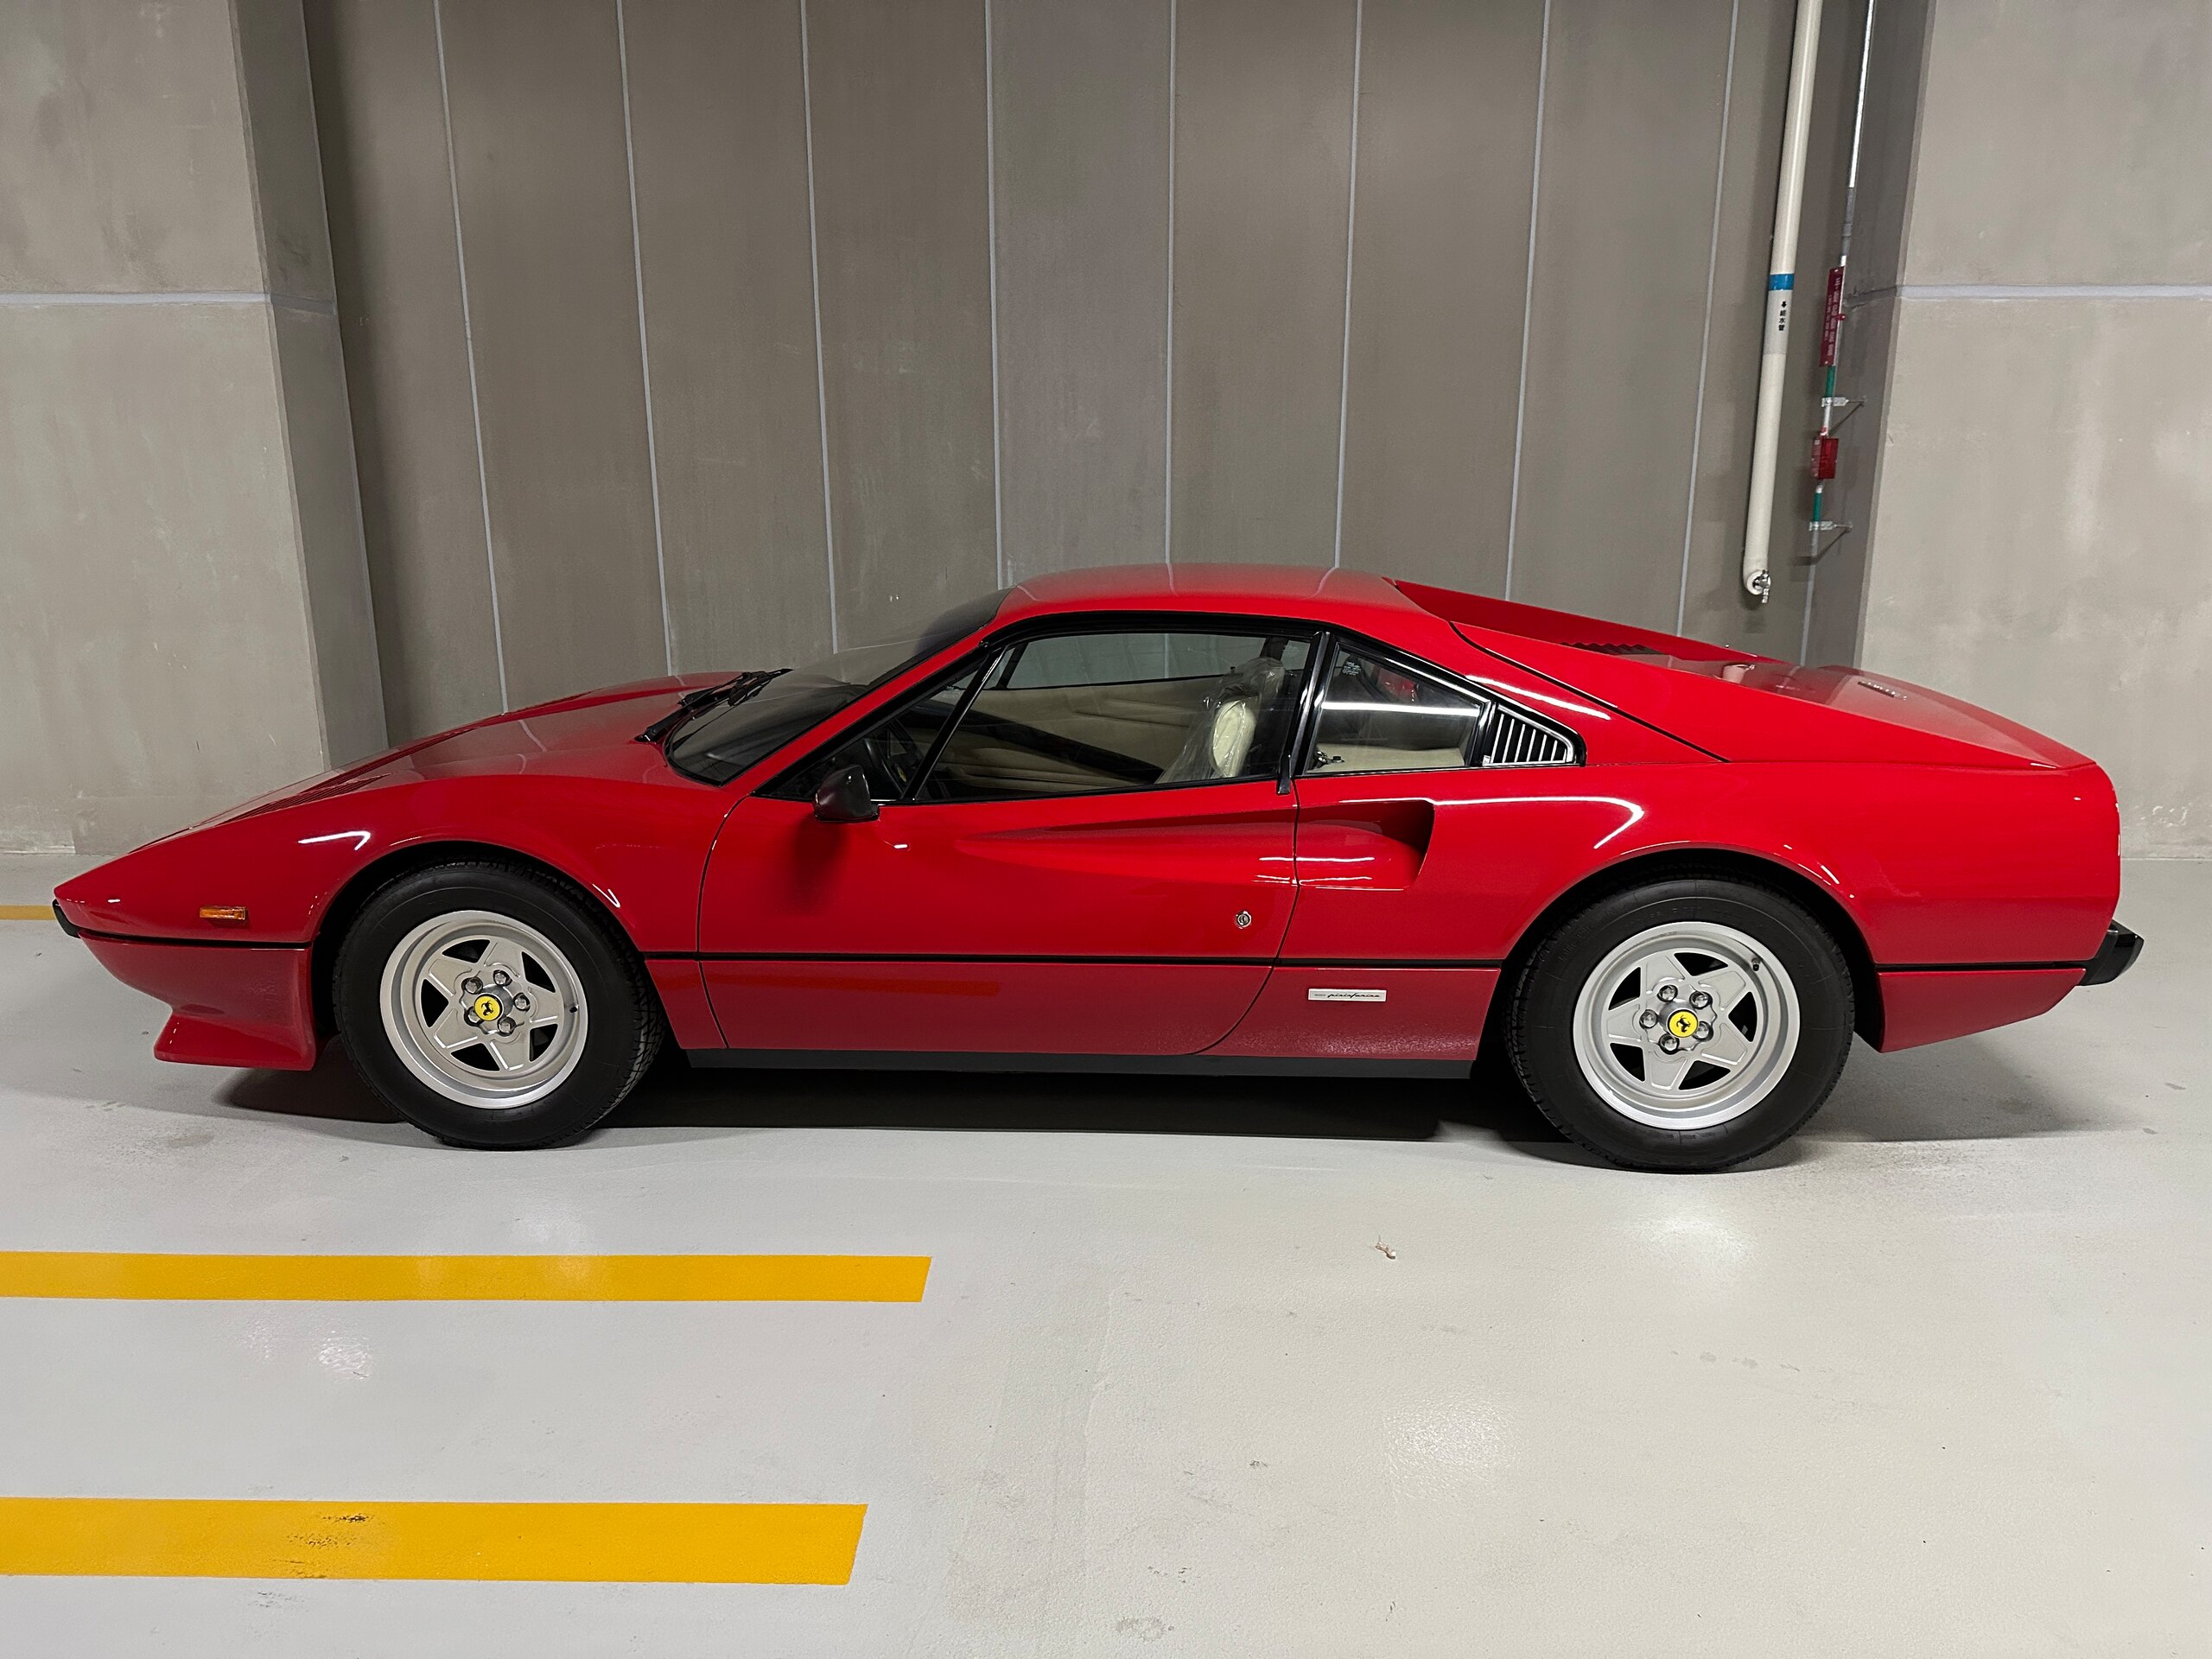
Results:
[232, 1005]
[2115, 956]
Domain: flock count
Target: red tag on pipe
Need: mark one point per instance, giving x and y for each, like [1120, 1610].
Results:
[1832, 322]
[1824, 456]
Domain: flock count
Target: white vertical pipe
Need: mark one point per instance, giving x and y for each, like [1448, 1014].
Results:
[1789, 199]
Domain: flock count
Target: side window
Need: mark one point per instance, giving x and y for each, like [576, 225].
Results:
[1086, 713]
[1377, 716]
[891, 752]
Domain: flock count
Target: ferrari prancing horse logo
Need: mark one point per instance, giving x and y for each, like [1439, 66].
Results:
[486, 1008]
[1682, 1023]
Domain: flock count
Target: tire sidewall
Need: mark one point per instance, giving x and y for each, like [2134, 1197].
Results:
[602, 1074]
[1543, 1023]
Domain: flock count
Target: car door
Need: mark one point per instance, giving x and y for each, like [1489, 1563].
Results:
[1422, 834]
[1084, 845]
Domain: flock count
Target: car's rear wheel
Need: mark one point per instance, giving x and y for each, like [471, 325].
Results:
[1686, 1024]
[492, 1006]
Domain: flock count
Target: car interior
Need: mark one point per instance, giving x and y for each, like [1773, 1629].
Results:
[1090, 713]
[1085, 714]
[1378, 717]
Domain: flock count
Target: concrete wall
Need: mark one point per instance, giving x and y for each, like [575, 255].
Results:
[184, 613]
[700, 333]
[693, 333]
[2043, 333]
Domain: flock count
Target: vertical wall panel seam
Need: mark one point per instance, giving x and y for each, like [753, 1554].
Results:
[814, 267]
[277, 302]
[1167, 436]
[1705, 339]
[1528, 295]
[991, 225]
[1876, 387]
[267, 270]
[469, 344]
[261, 260]
[644, 347]
[1351, 221]
[297, 522]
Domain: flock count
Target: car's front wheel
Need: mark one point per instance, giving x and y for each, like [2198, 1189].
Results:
[1686, 1024]
[491, 1007]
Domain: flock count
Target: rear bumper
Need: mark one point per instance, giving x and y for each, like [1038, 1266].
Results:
[2115, 956]
[1932, 1005]
[240, 1005]
[1927, 1005]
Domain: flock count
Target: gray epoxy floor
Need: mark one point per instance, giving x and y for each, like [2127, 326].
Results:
[1932, 1379]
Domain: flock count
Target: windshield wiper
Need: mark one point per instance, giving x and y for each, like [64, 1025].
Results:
[729, 691]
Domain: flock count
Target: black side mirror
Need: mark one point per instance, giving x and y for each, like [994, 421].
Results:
[843, 797]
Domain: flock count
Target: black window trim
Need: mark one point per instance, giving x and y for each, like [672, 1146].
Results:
[981, 676]
[1309, 712]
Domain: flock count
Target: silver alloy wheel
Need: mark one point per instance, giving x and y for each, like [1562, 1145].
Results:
[484, 1009]
[1685, 1025]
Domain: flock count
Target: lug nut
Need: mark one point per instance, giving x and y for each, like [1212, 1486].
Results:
[1670, 991]
[1704, 1031]
[472, 985]
[522, 1005]
[1700, 999]
[500, 976]
[1671, 1045]
[1647, 1019]
[506, 1027]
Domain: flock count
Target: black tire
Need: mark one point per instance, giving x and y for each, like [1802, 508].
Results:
[621, 1033]
[1542, 1018]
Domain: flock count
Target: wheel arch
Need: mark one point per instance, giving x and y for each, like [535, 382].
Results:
[338, 916]
[1723, 863]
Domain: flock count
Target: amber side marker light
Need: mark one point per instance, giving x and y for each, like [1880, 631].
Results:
[231, 915]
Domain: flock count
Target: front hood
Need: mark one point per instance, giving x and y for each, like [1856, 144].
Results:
[593, 734]
[590, 734]
[1755, 708]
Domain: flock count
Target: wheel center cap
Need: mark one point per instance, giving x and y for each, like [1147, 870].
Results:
[487, 1009]
[1682, 1023]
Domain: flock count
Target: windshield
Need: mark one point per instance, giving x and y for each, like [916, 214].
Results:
[719, 743]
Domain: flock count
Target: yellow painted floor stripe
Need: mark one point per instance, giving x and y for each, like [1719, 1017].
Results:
[635, 1543]
[149, 1277]
[26, 912]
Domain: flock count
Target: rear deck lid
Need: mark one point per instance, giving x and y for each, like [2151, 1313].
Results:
[1740, 706]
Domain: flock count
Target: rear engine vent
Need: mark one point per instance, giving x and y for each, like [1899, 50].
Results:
[1517, 741]
[1617, 647]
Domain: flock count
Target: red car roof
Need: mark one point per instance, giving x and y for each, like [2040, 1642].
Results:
[1346, 597]
[1261, 589]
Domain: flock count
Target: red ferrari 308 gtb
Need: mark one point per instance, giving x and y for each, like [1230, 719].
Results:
[1191, 819]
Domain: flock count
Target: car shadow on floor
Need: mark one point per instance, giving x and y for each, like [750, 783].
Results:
[1359, 1109]
[676, 1096]
[1966, 1090]
[1969, 1088]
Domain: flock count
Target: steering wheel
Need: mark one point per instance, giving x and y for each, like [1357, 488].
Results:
[892, 754]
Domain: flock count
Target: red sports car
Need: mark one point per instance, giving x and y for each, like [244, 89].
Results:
[1204, 818]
